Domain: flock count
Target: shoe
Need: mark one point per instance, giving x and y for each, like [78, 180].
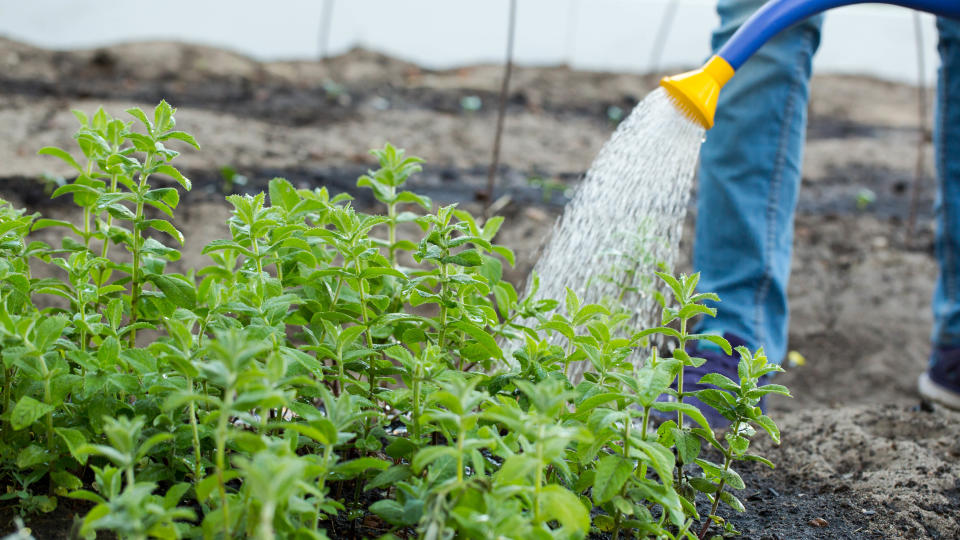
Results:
[941, 382]
[717, 361]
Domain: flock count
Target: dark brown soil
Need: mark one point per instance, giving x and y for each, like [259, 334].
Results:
[861, 457]
[64, 522]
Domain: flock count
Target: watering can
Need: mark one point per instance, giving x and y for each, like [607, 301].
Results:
[695, 92]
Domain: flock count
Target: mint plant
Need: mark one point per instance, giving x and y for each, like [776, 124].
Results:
[329, 374]
[737, 402]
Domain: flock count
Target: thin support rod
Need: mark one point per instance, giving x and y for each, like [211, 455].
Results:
[326, 22]
[666, 23]
[502, 111]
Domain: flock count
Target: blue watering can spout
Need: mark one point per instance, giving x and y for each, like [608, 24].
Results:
[695, 92]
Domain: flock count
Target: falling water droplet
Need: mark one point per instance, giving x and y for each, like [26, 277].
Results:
[627, 216]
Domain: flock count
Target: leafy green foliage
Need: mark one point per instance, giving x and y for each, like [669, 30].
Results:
[306, 376]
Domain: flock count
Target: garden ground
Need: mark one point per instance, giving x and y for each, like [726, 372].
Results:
[861, 456]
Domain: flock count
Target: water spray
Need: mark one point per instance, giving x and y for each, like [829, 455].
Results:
[695, 92]
[626, 219]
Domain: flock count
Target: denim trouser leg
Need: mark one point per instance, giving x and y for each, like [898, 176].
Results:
[946, 137]
[749, 178]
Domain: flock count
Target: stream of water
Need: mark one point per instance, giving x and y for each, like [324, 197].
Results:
[626, 218]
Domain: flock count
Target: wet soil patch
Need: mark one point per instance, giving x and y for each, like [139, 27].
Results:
[445, 185]
[782, 506]
[865, 187]
[61, 524]
[831, 126]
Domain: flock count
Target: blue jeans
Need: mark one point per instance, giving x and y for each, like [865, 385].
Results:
[750, 176]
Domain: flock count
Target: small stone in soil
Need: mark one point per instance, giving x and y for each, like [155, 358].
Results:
[923, 406]
[536, 214]
[817, 522]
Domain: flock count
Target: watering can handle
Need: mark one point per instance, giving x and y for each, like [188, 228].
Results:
[776, 15]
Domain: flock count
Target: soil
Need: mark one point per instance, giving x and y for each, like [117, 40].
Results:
[861, 457]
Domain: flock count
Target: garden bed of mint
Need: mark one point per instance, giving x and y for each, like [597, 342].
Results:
[861, 457]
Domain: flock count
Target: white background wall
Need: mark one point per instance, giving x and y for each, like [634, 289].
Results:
[588, 34]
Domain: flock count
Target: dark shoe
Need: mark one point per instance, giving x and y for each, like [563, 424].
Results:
[941, 382]
[717, 361]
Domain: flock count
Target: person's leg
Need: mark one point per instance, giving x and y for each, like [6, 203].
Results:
[942, 381]
[749, 178]
[946, 140]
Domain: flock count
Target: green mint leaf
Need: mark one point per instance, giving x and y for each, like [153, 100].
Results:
[27, 411]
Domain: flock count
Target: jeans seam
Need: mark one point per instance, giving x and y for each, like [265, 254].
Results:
[773, 201]
[949, 269]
